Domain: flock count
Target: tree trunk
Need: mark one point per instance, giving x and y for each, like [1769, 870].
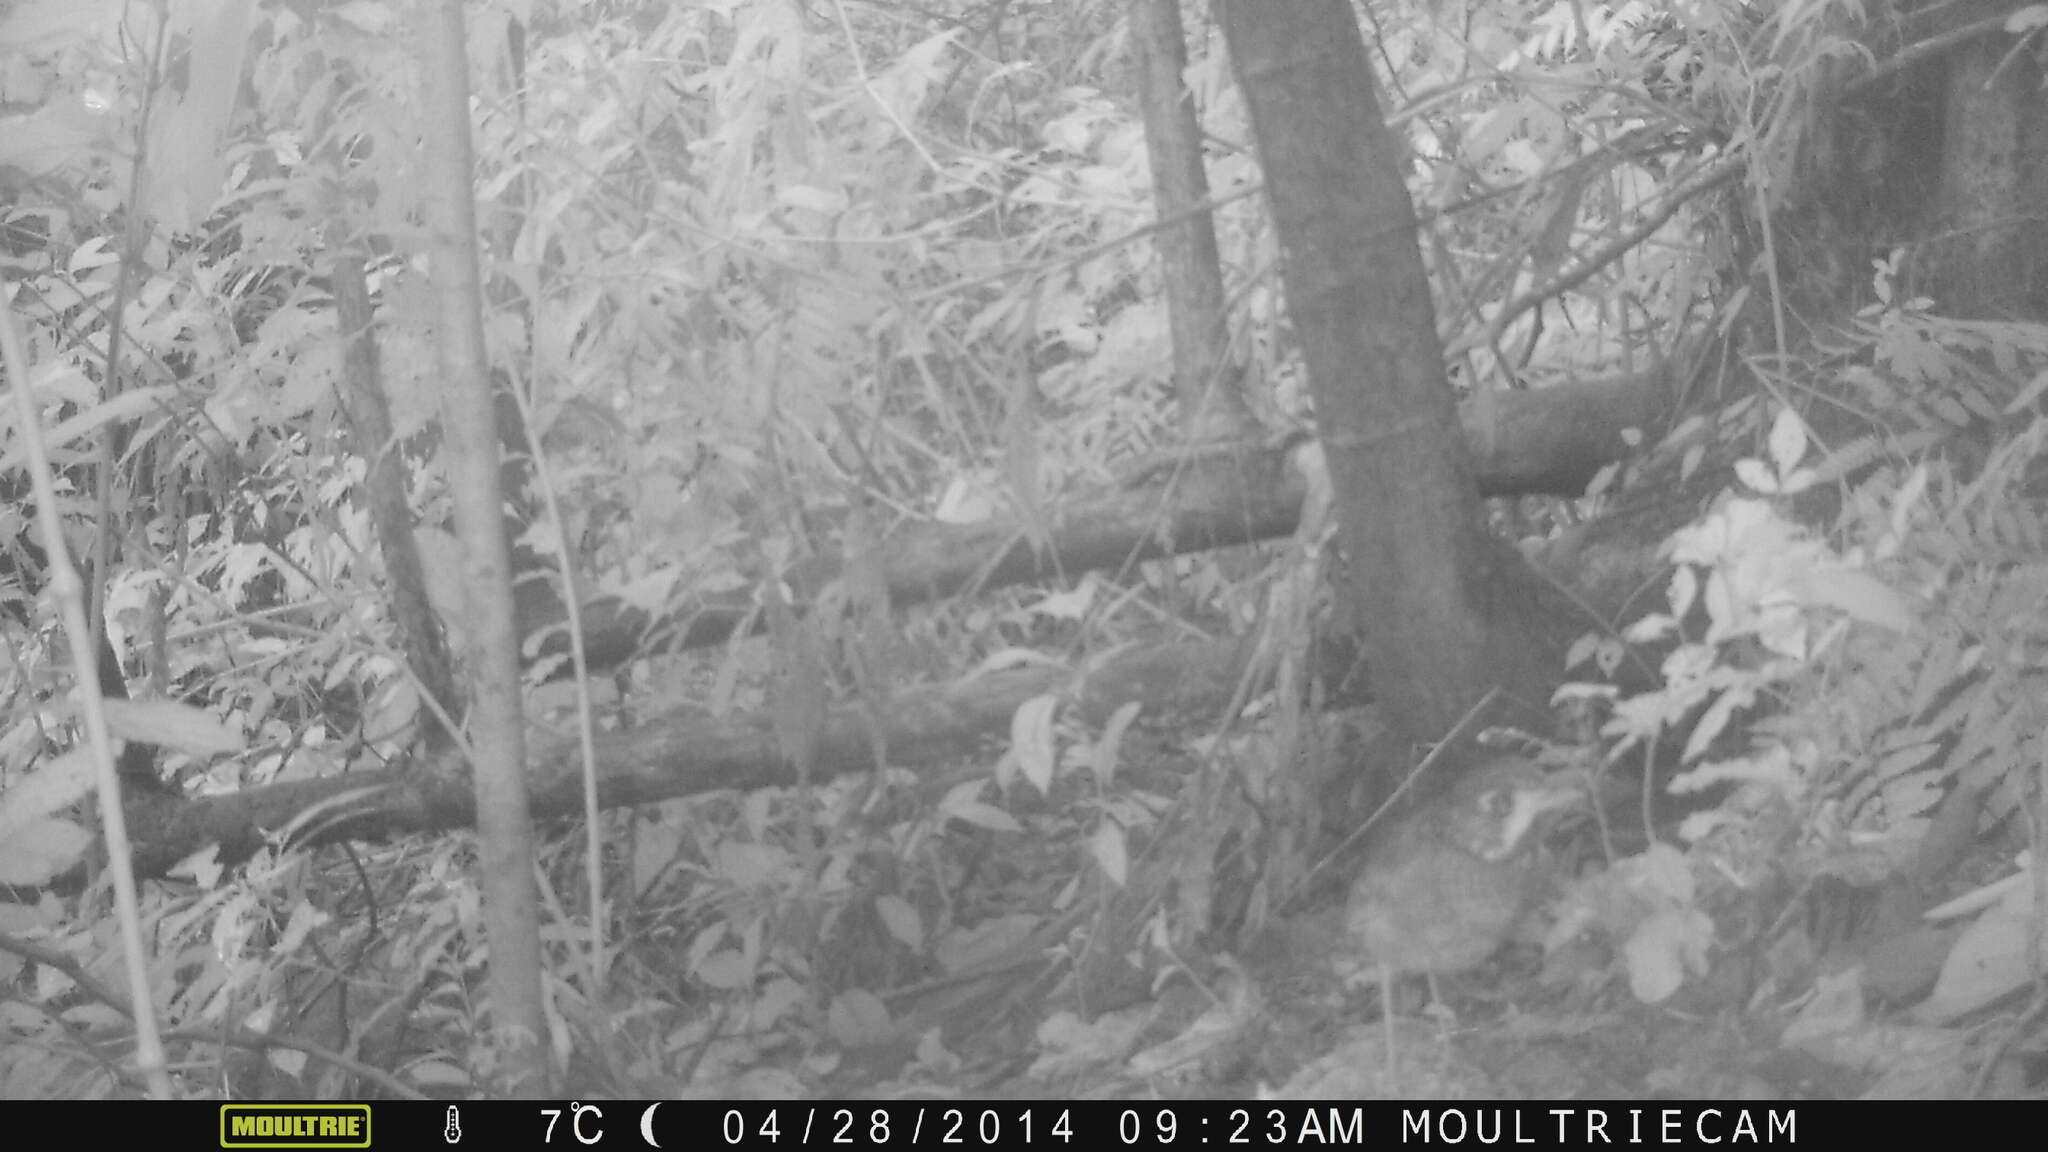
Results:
[1421, 566]
[497, 726]
[1941, 150]
[1206, 383]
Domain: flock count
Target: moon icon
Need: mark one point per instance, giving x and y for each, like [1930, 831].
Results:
[647, 1124]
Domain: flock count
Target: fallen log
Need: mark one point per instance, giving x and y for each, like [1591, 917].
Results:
[1544, 441]
[1227, 498]
[688, 753]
